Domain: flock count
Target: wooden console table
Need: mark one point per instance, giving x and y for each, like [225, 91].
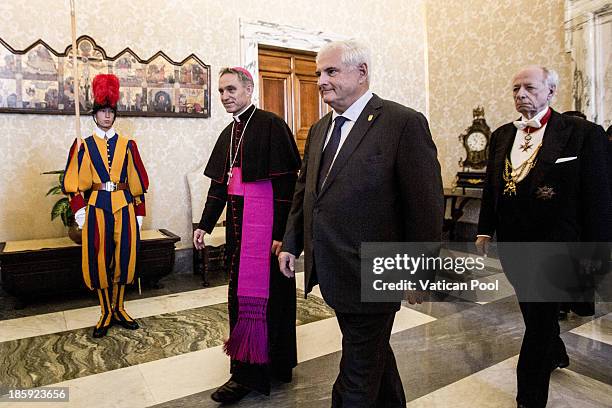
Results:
[458, 197]
[51, 266]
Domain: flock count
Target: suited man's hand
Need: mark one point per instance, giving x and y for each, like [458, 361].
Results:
[276, 247]
[198, 239]
[482, 245]
[286, 261]
[415, 296]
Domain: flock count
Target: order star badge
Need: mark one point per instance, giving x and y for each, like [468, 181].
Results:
[545, 193]
[526, 146]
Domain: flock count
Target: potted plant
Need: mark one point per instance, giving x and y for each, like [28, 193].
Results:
[61, 209]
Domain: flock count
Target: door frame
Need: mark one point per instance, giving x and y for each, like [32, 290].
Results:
[254, 33]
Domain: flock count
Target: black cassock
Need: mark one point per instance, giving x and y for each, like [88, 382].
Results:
[267, 151]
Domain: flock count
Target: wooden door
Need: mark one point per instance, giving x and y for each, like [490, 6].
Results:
[288, 87]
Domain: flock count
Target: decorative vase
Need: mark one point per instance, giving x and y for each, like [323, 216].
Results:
[74, 232]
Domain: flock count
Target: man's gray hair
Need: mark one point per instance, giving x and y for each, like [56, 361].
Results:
[551, 77]
[242, 77]
[353, 53]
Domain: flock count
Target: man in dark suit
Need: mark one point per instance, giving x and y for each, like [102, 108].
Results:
[547, 181]
[370, 174]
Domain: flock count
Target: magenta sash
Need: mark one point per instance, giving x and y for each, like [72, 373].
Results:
[248, 341]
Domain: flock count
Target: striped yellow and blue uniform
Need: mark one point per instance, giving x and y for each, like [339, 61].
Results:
[110, 235]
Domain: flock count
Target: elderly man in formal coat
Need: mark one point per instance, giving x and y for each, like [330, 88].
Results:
[547, 181]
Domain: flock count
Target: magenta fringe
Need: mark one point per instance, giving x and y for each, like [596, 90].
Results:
[248, 341]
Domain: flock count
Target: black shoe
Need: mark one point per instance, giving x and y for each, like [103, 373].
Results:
[230, 392]
[100, 331]
[560, 362]
[126, 324]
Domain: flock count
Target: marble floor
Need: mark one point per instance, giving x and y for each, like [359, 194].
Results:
[460, 350]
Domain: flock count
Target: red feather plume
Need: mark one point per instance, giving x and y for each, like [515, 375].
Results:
[106, 89]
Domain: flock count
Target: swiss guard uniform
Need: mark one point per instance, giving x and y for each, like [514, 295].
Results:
[108, 179]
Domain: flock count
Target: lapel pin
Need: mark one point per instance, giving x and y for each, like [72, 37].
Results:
[370, 118]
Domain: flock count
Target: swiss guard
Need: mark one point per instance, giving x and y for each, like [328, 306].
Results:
[106, 181]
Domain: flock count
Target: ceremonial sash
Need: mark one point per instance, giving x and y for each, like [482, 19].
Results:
[248, 341]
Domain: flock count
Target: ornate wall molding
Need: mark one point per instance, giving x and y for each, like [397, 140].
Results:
[254, 33]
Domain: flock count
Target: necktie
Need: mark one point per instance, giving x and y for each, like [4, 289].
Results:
[330, 150]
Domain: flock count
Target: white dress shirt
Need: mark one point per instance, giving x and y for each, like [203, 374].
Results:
[352, 113]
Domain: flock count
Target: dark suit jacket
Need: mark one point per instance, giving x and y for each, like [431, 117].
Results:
[384, 186]
[581, 208]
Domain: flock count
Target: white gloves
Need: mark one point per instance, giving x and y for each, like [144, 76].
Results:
[79, 217]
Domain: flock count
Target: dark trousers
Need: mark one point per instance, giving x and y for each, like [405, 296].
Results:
[541, 348]
[368, 375]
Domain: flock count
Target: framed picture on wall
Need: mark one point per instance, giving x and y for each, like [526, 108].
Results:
[40, 80]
